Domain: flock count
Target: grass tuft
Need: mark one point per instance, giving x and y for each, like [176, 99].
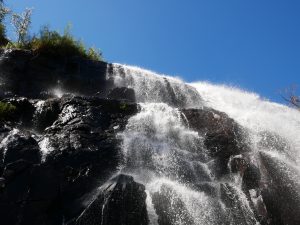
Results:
[7, 110]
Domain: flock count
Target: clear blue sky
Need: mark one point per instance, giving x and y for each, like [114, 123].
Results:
[251, 44]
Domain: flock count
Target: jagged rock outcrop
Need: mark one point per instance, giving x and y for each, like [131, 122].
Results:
[80, 135]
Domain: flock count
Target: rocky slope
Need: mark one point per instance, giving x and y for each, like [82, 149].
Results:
[61, 155]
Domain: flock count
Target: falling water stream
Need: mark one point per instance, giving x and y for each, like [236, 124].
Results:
[171, 160]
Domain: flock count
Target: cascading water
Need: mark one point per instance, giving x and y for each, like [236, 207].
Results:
[173, 163]
[151, 87]
[167, 157]
[259, 116]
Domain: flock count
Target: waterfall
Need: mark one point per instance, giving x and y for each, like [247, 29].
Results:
[174, 164]
[151, 87]
[163, 154]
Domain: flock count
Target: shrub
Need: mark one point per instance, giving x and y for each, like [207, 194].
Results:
[94, 54]
[52, 43]
[124, 106]
[48, 42]
[7, 110]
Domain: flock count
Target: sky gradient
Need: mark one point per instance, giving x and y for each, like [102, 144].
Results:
[253, 44]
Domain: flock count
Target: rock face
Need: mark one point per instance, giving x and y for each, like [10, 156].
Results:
[79, 134]
[27, 74]
[63, 156]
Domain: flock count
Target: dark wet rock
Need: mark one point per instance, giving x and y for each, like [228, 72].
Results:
[170, 208]
[45, 114]
[251, 184]
[84, 133]
[31, 195]
[12, 170]
[238, 164]
[4, 128]
[27, 74]
[2, 182]
[20, 146]
[251, 177]
[15, 192]
[122, 93]
[251, 173]
[84, 151]
[84, 146]
[174, 100]
[120, 201]
[283, 190]
[273, 209]
[78, 134]
[43, 205]
[238, 209]
[223, 136]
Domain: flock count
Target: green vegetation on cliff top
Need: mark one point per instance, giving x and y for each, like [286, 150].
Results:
[47, 42]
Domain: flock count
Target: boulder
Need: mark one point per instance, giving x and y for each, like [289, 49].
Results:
[251, 177]
[282, 195]
[20, 146]
[170, 208]
[223, 137]
[119, 201]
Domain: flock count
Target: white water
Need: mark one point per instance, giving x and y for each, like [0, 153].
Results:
[156, 139]
[161, 152]
[256, 114]
[151, 87]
